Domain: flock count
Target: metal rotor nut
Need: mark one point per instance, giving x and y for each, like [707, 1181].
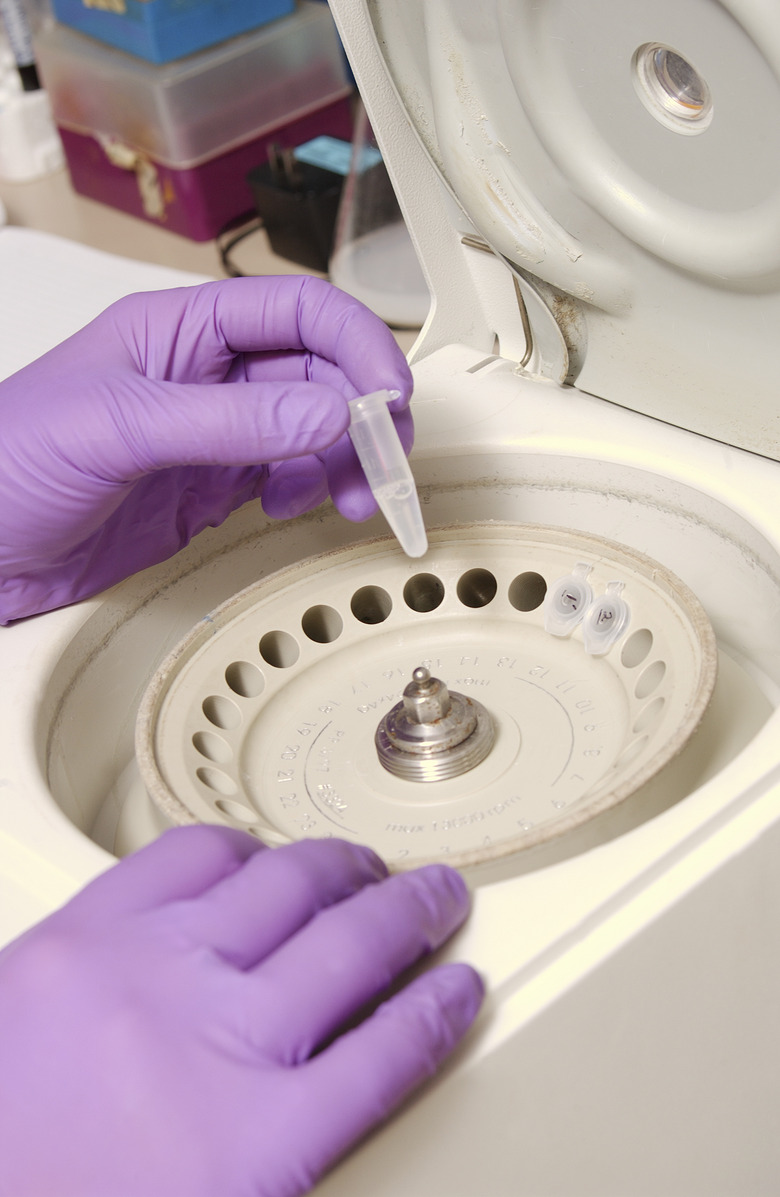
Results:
[433, 734]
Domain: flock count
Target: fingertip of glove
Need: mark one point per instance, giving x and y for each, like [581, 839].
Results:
[400, 392]
[293, 487]
[339, 854]
[443, 1004]
[357, 506]
[374, 860]
[448, 884]
[460, 991]
[367, 856]
[441, 899]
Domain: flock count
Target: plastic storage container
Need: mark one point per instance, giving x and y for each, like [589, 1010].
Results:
[173, 143]
[373, 256]
[161, 30]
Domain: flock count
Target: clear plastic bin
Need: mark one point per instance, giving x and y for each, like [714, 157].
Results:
[185, 112]
[173, 144]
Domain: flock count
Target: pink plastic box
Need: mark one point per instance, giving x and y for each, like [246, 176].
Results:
[173, 143]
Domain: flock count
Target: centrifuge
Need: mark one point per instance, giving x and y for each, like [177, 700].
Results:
[573, 694]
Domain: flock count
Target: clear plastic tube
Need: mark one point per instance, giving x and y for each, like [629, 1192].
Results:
[389, 475]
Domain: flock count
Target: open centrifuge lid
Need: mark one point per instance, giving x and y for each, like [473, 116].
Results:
[617, 161]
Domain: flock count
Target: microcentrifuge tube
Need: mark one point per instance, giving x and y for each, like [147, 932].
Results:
[387, 470]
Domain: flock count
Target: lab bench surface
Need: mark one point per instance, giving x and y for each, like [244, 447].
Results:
[52, 206]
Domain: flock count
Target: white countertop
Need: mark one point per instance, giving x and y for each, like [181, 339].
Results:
[51, 205]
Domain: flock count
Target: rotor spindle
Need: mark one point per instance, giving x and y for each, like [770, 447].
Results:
[433, 733]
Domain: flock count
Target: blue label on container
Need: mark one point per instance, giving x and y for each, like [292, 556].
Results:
[330, 153]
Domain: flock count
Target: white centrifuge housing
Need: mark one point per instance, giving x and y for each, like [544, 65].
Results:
[594, 194]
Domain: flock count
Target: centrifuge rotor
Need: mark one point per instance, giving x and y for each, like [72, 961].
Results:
[286, 712]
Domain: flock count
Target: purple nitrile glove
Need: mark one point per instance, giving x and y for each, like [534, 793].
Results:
[123, 442]
[186, 1025]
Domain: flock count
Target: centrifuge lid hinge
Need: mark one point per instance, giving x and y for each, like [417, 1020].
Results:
[552, 323]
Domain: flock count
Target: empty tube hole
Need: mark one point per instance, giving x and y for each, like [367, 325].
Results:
[269, 836]
[215, 779]
[477, 588]
[279, 649]
[650, 679]
[371, 604]
[527, 591]
[424, 592]
[322, 624]
[221, 711]
[636, 648]
[648, 716]
[213, 747]
[235, 811]
[630, 754]
[244, 679]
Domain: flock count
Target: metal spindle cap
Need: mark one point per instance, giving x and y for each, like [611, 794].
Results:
[433, 733]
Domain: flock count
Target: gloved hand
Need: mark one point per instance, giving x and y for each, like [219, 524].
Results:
[123, 442]
[181, 1027]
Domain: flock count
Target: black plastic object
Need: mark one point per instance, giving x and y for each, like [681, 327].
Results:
[297, 203]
